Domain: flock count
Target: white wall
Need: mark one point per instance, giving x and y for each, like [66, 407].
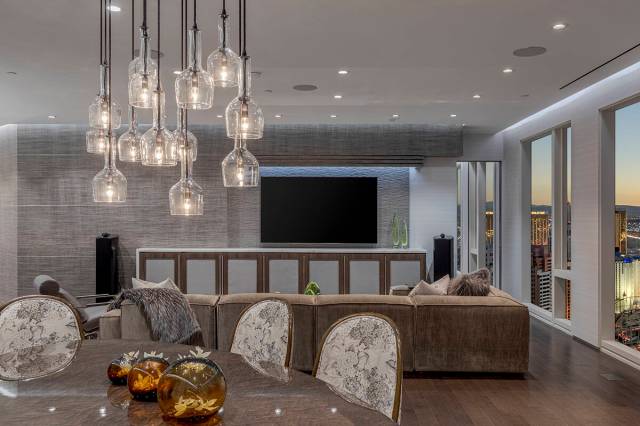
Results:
[592, 221]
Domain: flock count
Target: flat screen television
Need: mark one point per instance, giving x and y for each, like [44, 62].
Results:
[319, 210]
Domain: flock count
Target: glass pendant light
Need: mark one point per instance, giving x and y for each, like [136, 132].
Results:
[158, 146]
[186, 197]
[194, 86]
[129, 141]
[143, 71]
[244, 118]
[240, 169]
[99, 108]
[96, 140]
[109, 185]
[223, 63]
[179, 134]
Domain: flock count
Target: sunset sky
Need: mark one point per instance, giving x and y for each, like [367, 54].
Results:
[627, 161]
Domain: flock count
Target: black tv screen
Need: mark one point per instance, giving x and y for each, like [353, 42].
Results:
[319, 210]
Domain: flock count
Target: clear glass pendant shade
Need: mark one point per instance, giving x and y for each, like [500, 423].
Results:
[99, 108]
[143, 75]
[129, 141]
[137, 65]
[224, 64]
[240, 169]
[158, 146]
[194, 86]
[109, 185]
[97, 141]
[178, 134]
[244, 118]
[186, 198]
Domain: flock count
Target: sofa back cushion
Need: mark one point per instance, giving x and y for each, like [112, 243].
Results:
[231, 306]
[400, 309]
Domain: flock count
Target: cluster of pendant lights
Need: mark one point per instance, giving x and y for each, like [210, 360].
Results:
[194, 88]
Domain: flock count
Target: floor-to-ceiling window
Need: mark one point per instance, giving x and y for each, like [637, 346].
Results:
[479, 217]
[541, 221]
[627, 226]
[550, 224]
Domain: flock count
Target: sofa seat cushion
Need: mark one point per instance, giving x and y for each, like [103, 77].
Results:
[231, 306]
[400, 309]
[471, 334]
[110, 327]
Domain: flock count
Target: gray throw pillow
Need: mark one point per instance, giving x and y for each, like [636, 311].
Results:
[439, 288]
[477, 283]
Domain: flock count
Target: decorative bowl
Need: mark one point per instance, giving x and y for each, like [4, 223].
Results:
[192, 388]
[119, 368]
[144, 376]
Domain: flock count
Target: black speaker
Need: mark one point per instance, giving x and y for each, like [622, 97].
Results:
[442, 256]
[107, 280]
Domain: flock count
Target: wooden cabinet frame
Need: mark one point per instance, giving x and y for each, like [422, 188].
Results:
[403, 257]
[258, 257]
[374, 257]
[186, 256]
[335, 257]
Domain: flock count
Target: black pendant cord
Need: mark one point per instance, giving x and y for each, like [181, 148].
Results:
[239, 25]
[133, 25]
[184, 33]
[224, 17]
[158, 46]
[244, 28]
[100, 34]
[109, 132]
[181, 35]
[144, 15]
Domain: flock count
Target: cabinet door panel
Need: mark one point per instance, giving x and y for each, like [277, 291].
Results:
[364, 276]
[327, 274]
[284, 276]
[201, 276]
[404, 272]
[242, 276]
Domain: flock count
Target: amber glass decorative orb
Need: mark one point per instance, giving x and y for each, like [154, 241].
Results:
[144, 376]
[192, 388]
[119, 369]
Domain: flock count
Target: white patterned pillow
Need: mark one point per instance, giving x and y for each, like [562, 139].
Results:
[168, 283]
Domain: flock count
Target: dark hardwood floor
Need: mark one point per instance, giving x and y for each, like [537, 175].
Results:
[565, 386]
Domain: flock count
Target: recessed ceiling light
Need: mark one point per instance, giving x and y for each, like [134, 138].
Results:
[177, 72]
[395, 115]
[507, 70]
[51, 117]
[278, 116]
[464, 124]
[560, 26]
[476, 96]
[529, 52]
[453, 115]
[333, 116]
[114, 8]
[337, 96]
[12, 73]
[305, 87]
[219, 116]
[343, 72]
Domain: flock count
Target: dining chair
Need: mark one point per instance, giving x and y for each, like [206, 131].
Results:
[264, 332]
[360, 359]
[37, 321]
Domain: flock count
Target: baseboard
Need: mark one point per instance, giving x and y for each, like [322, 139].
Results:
[549, 322]
[620, 352]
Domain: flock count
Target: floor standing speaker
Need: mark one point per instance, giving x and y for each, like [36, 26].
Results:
[107, 280]
[442, 256]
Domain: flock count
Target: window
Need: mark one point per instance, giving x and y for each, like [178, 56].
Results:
[541, 223]
[627, 226]
[478, 217]
[550, 224]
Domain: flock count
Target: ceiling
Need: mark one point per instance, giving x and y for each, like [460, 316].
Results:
[421, 59]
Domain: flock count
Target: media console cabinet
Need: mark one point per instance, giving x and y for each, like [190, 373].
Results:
[271, 270]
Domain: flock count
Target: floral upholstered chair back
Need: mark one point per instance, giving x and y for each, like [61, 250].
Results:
[37, 320]
[263, 332]
[360, 360]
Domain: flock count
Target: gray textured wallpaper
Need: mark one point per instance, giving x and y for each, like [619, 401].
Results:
[8, 212]
[57, 220]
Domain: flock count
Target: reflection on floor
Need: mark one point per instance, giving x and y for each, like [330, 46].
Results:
[568, 384]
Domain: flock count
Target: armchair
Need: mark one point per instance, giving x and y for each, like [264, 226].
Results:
[89, 312]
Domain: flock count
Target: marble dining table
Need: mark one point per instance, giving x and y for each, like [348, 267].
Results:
[73, 389]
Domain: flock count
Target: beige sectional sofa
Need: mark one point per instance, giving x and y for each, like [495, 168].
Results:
[438, 333]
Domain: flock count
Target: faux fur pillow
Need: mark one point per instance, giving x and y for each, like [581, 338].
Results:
[477, 283]
[168, 283]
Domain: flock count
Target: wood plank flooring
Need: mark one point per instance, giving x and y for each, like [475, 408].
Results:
[564, 386]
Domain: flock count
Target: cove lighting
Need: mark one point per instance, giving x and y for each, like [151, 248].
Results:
[569, 99]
